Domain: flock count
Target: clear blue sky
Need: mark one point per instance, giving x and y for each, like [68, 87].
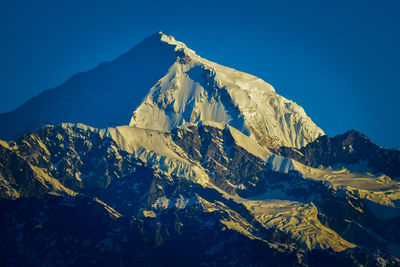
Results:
[340, 60]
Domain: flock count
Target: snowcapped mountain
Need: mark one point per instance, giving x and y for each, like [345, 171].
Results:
[178, 88]
[196, 90]
[214, 164]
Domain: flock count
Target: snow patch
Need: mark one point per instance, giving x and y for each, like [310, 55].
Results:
[299, 220]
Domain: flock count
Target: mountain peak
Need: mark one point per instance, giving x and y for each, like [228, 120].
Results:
[166, 85]
[354, 132]
[197, 90]
[353, 136]
[170, 40]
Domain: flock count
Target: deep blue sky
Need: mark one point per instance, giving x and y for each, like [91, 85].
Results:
[340, 60]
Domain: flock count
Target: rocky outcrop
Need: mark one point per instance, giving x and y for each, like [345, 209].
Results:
[351, 149]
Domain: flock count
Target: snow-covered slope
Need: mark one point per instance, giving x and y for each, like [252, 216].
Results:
[157, 149]
[299, 220]
[152, 147]
[195, 89]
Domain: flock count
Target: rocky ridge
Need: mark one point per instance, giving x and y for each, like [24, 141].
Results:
[244, 200]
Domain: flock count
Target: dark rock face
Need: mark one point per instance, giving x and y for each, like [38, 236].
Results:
[351, 147]
[79, 231]
[107, 207]
[226, 163]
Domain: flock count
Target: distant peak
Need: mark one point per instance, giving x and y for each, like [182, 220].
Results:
[354, 133]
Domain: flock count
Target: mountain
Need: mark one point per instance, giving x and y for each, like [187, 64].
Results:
[196, 90]
[209, 166]
[73, 186]
[352, 150]
[178, 88]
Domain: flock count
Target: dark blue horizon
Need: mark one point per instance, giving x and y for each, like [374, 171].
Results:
[338, 60]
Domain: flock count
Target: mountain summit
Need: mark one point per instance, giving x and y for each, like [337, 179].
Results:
[178, 88]
[197, 90]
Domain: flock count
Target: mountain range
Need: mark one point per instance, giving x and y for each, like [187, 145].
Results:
[163, 158]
